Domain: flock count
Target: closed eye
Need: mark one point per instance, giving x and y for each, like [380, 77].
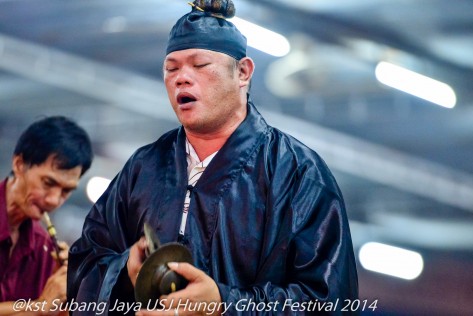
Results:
[201, 65]
[49, 182]
[67, 191]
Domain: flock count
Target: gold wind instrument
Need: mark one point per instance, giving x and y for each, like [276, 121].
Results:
[52, 233]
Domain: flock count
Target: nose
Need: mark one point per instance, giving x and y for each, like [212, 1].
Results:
[54, 198]
[183, 77]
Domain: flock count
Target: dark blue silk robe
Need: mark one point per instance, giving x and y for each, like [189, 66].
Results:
[266, 220]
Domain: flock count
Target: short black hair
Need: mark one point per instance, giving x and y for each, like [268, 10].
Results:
[59, 137]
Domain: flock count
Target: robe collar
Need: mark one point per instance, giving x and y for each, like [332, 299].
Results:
[234, 153]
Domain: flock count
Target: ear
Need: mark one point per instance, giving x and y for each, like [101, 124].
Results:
[18, 165]
[246, 66]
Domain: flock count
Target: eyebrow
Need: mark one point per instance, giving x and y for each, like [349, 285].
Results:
[191, 56]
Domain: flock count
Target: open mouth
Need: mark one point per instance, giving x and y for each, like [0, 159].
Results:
[185, 98]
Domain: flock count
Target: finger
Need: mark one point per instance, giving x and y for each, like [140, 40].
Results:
[136, 258]
[164, 312]
[63, 256]
[141, 246]
[63, 245]
[62, 270]
[168, 302]
[187, 270]
[143, 243]
[64, 253]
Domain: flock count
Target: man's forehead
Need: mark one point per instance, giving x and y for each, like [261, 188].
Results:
[54, 164]
[193, 53]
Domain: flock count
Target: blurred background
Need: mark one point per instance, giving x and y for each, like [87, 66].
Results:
[350, 78]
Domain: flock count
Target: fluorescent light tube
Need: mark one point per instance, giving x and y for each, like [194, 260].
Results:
[262, 39]
[416, 84]
[393, 261]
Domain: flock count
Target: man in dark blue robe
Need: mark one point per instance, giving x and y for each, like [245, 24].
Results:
[266, 221]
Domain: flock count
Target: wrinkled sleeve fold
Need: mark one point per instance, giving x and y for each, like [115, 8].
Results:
[98, 258]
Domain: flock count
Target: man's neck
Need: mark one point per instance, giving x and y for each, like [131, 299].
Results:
[205, 143]
[204, 146]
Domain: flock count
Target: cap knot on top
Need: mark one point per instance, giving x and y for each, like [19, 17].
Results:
[219, 8]
[206, 27]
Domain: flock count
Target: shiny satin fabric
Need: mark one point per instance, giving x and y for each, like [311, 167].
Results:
[266, 221]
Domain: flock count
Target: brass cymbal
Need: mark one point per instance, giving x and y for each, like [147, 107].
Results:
[155, 278]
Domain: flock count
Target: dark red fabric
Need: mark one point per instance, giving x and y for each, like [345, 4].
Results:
[25, 273]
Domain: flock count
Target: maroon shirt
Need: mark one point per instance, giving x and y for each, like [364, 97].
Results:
[25, 273]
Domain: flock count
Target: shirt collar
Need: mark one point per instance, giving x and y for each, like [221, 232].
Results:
[192, 158]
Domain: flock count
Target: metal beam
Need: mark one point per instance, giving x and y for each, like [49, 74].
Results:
[118, 87]
[148, 96]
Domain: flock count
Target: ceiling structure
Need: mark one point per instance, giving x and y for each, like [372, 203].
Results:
[404, 164]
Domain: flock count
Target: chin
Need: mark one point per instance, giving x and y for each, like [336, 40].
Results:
[36, 216]
[196, 128]
[35, 213]
[190, 124]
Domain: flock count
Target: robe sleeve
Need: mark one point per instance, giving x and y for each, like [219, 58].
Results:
[319, 271]
[97, 260]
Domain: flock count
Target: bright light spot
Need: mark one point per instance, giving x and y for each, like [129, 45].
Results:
[96, 187]
[416, 84]
[263, 39]
[394, 261]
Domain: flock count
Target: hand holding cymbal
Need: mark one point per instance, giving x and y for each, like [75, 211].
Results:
[155, 278]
